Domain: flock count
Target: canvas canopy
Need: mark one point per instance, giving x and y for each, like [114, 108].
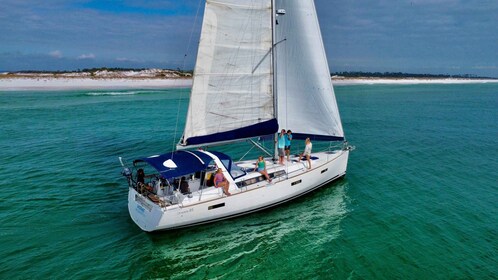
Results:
[180, 163]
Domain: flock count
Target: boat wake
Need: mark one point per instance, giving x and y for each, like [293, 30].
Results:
[256, 238]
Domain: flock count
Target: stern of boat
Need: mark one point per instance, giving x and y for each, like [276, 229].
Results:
[143, 212]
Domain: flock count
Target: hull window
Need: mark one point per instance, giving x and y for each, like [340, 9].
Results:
[216, 206]
[296, 182]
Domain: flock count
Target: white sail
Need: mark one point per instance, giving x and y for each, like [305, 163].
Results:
[232, 89]
[306, 101]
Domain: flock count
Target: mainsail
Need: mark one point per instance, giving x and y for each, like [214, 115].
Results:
[232, 95]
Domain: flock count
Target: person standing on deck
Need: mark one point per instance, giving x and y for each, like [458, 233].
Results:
[141, 180]
[288, 139]
[281, 147]
[307, 152]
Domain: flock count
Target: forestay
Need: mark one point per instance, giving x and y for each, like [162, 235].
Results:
[232, 88]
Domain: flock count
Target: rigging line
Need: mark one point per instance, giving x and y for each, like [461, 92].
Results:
[258, 23]
[274, 77]
[183, 68]
[252, 147]
[261, 147]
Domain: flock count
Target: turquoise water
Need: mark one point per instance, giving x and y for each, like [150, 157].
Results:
[420, 200]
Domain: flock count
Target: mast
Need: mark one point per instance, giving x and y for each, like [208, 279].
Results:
[274, 68]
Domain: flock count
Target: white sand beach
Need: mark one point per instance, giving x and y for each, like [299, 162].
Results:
[44, 83]
[406, 81]
[81, 83]
[100, 79]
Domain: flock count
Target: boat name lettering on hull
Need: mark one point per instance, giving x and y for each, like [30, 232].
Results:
[186, 211]
[140, 209]
[142, 202]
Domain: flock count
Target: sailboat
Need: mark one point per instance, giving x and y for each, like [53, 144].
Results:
[261, 67]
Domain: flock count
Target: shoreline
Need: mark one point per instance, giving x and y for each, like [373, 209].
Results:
[407, 81]
[40, 83]
[66, 83]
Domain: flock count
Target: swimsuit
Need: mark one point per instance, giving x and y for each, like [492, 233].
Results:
[261, 166]
[218, 178]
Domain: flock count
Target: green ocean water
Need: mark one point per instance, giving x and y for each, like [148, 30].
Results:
[420, 200]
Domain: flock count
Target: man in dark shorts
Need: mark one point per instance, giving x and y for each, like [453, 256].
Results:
[288, 139]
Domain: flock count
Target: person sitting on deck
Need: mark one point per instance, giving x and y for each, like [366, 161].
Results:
[184, 188]
[221, 182]
[261, 167]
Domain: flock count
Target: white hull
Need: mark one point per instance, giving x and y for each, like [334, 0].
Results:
[211, 205]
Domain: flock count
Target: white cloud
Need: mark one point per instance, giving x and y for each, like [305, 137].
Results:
[124, 59]
[56, 54]
[87, 56]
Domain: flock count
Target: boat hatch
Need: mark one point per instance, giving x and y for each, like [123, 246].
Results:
[259, 179]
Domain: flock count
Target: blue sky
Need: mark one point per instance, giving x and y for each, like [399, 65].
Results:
[418, 36]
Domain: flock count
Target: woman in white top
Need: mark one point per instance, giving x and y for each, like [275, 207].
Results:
[307, 152]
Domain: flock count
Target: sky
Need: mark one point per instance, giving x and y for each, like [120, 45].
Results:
[418, 36]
